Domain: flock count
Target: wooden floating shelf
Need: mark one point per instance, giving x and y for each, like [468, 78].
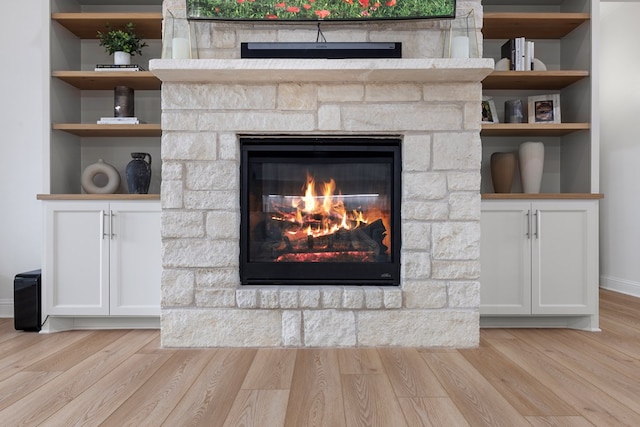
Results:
[96, 130]
[503, 25]
[107, 80]
[86, 25]
[542, 196]
[533, 80]
[98, 197]
[532, 129]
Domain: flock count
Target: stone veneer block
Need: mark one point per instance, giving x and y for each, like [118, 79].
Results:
[332, 297]
[211, 200]
[464, 181]
[189, 146]
[209, 297]
[247, 298]
[289, 298]
[220, 175]
[171, 171]
[292, 328]
[329, 328]
[416, 153]
[220, 97]
[416, 265]
[220, 278]
[400, 117]
[465, 206]
[177, 287]
[309, 298]
[462, 151]
[373, 297]
[171, 194]
[425, 210]
[456, 270]
[297, 96]
[456, 240]
[424, 185]
[419, 328]
[341, 93]
[464, 294]
[269, 298]
[416, 236]
[182, 224]
[353, 298]
[199, 253]
[223, 225]
[392, 298]
[217, 328]
[425, 294]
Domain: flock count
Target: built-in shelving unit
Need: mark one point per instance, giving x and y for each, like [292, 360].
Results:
[80, 96]
[562, 32]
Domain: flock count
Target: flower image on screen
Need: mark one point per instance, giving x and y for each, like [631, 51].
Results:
[326, 10]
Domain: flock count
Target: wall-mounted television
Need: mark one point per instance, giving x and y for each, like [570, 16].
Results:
[319, 10]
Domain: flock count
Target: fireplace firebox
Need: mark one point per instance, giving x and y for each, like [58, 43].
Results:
[320, 211]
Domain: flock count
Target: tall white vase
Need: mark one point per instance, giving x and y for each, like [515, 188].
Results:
[531, 158]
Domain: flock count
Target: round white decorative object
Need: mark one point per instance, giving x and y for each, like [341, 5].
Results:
[93, 171]
[531, 158]
[121, 58]
[502, 65]
[538, 65]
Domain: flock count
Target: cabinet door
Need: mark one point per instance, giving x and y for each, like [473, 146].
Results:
[505, 258]
[76, 273]
[565, 257]
[135, 258]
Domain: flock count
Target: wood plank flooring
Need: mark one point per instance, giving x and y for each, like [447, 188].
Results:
[517, 377]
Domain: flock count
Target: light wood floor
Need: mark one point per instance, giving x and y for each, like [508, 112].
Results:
[524, 377]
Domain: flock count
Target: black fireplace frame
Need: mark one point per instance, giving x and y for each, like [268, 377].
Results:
[322, 273]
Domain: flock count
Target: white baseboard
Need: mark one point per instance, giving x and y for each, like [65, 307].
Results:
[6, 307]
[620, 285]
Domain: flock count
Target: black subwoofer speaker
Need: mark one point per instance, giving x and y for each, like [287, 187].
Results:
[26, 301]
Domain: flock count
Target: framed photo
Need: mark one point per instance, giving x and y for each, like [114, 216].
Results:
[544, 109]
[489, 112]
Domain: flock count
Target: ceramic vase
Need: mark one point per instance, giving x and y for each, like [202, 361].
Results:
[138, 173]
[100, 178]
[531, 159]
[503, 165]
[121, 58]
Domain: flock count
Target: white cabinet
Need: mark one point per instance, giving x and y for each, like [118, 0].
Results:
[102, 258]
[539, 258]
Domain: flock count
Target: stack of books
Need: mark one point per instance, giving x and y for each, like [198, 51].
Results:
[113, 67]
[118, 121]
[520, 52]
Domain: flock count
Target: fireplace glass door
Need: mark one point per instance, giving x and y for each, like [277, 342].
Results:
[320, 211]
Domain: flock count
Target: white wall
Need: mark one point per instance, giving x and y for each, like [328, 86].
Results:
[23, 127]
[620, 146]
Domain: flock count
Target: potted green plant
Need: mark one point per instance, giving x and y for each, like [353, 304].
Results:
[121, 43]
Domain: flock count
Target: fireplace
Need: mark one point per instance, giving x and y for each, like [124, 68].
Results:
[320, 211]
[406, 129]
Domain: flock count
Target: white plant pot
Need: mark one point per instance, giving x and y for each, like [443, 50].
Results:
[121, 58]
[531, 158]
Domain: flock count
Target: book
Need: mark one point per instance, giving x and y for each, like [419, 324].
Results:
[528, 56]
[118, 121]
[508, 50]
[114, 67]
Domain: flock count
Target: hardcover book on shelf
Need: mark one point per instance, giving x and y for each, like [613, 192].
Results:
[508, 50]
[114, 67]
[118, 121]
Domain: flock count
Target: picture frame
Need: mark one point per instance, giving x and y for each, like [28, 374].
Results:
[489, 112]
[544, 108]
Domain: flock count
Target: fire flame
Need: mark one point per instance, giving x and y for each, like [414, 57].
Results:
[320, 215]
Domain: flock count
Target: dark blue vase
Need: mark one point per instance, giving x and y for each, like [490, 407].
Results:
[139, 173]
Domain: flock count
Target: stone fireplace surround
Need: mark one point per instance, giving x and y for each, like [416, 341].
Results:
[433, 105]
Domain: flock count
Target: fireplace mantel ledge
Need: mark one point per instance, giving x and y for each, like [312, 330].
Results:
[410, 70]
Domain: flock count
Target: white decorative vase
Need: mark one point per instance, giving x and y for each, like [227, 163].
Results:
[100, 178]
[121, 58]
[531, 158]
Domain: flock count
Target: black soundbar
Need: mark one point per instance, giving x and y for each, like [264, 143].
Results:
[335, 50]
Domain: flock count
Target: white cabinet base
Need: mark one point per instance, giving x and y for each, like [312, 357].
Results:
[63, 323]
[585, 323]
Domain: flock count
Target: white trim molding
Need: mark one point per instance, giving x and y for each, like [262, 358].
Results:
[6, 307]
[623, 286]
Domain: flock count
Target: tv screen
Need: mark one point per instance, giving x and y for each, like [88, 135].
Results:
[320, 10]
